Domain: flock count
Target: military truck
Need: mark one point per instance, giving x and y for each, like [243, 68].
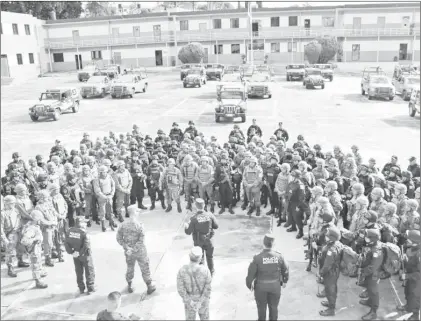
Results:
[232, 103]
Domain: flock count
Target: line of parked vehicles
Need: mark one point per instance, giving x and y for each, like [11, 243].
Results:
[98, 82]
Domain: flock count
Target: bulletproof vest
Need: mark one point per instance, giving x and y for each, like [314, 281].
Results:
[268, 266]
[149, 147]
[251, 174]
[75, 238]
[172, 177]
[237, 176]
[272, 172]
[105, 185]
[203, 227]
[155, 172]
[204, 173]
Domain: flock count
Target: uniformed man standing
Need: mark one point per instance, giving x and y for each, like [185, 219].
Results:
[154, 173]
[266, 274]
[296, 203]
[371, 267]
[329, 269]
[78, 244]
[104, 188]
[201, 227]
[123, 186]
[194, 286]
[252, 180]
[131, 236]
[172, 181]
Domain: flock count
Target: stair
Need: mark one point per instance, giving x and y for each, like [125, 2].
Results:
[6, 81]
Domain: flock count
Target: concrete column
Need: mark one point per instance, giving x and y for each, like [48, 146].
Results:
[175, 39]
[167, 54]
[49, 56]
[137, 57]
[343, 48]
[378, 45]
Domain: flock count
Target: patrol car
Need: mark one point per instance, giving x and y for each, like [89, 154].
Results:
[232, 103]
[54, 102]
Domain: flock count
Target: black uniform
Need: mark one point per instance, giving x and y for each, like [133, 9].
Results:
[296, 204]
[329, 271]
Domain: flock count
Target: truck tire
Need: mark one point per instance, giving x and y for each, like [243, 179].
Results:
[35, 118]
[113, 96]
[57, 114]
[288, 78]
[243, 119]
[200, 84]
[370, 97]
[75, 107]
[145, 87]
[184, 85]
[331, 78]
[391, 97]
[323, 86]
[362, 91]
[217, 119]
[83, 96]
[307, 86]
[412, 111]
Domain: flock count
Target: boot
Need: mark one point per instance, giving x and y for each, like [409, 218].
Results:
[321, 294]
[48, 261]
[22, 263]
[120, 218]
[89, 224]
[415, 316]
[169, 208]
[272, 211]
[151, 288]
[372, 315]
[43, 273]
[364, 294]
[327, 313]
[258, 211]
[188, 206]
[402, 308]
[140, 204]
[292, 229]
[212, 208]
[130, 287]
[365, 302]
[54, 255]
[206, 208]
[40, 285]
[163, 204]
[250, 211]
[282, 219]
[244, 206]
[91, 290]
[222, 210]
[152, 206]
[103, 226]
[300, 234]
[179, 208]
[98, 222]
[230, 210]
[325, 303]
[111, 224]
[127, 214]
[308, 268]
[11, 271]
[279, 223]
[287, 225]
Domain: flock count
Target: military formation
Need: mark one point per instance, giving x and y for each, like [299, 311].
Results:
[356, 214]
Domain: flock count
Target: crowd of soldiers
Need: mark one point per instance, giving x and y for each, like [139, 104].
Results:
[302, 185]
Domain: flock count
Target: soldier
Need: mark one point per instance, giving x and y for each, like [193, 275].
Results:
[361, 209]
[131, 236]
[171, 180]
[252, 181]
[86, 141]
[191, 129]
[389, 215]
[413, 167]
[78, 244]
[399, 198]
[24, 204]
[53, 173]
[378, 203]
[205, 180]
[388, 166]
[83, 153]
[88, 191]
[334, 197]
[366, 179]
[267, 273]
[329, 269]
[411, 261]
[371, 266]
[74, 196]
[409, 183]
[18, 161]
[357, 156]
[138, 188]
[31, 240]
[68, 169]
[296, 203]
[372, 169]
[281, 185]
[11, 226]
[357, 190]
[33, 171]
[270, 177]
[201, 227]
[48, 224]
[284, 133]
[189, 172]
[256, 128]
[411, 219]
[154, 173]
[223, 184]
[104, 189]
[60, 205]
[77, 166]
[349, 168]
[123, 186]
[42, 182]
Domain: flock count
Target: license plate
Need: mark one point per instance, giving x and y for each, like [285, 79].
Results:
[229, 115]
[266, 96]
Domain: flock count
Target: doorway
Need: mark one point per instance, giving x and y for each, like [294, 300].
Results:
[78, 60]
[5, 72]
[403, 51]
[117, 58]
[307, 26]
[255, 28]
[158, 57]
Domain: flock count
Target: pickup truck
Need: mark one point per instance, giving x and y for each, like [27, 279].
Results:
[406, 84]
[295, 71]
[230, 79]
[214, 71]
[127, 86]
[327, 70]
[259, 86]
[96, 86]
[378, 86]
[186, 67]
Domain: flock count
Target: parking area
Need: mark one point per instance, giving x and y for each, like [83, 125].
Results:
[337, 115]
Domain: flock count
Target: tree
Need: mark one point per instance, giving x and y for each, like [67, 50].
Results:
[312, 51]
[42, 9]
[191, 53]
[330, 48]
[99, 9]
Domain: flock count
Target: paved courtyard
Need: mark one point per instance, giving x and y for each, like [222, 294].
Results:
[337, 115]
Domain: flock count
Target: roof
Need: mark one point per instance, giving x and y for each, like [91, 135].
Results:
[234, 11]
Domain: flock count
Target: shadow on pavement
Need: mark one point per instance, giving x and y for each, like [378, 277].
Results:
[403, 121]
[204, 96]
[358, 98]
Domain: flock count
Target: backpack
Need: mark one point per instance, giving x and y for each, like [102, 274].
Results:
[348, 264]
[391, 260]
[347, 237]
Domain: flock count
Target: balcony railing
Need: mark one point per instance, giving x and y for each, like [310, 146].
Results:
[210, 35]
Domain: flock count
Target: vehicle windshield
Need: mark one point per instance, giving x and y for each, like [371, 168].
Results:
[90, 67]
[231, 95]
[185, 66]
[95, 80]
[194, 72]
[50, 96]
[262, 68]
[314, 72]
[379, 80]
[233, 68]
[124, 79]
[214, 66]
[259, 78]
[323, 66]
[295, 67]
[231, 78]
[413, 81]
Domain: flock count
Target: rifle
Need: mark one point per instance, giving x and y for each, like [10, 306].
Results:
[360, 277]
[402, 275]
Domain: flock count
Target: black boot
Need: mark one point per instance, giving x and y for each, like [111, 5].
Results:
[169, 208]
[11, 271]
[258, 211]
[308, 268]
[98, 222]
[48, 261]
[222, 210]
[327, 313]
[120, 218]
[250, 211]
[163, 204]
[151, 288]
[230, 210]
[206, 208]
[287, 225]
[272, 211]
[22, 263]
[364, 294]
[372, 315]
[179, 208]
[300, 234]
[188, 206]
[292, 229]
[212, 208]
[140, 205]
[111, 224]
[103, 226]
[279, 223]
[365, 302]
[244, 206]
[152, 206]
[40, 285]
[89, 224]
[130, 287]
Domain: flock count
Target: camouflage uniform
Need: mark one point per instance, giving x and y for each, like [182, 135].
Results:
[60, 205]
[11, 228]
[104, 189]
[48, 227]
[171, 180]
[194, 287]
[131, 235]
[123, 186]
[32, 240]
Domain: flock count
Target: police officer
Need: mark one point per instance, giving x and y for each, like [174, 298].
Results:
[154, 173]
[131, 236]
[266, 274]
[296, 203]
[201, 227]
[78, 244]
[371, 266]
[329, 269]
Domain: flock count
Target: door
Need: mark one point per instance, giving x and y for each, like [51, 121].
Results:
[307, 26]
[255, 28]
[205, 58]
[157, 32]
[355, 52]
[356, 25]
[78, 60]
[403, 51]
[406, 21]
[5, 72]
[76, 39]
[117, 58]
[158, 57]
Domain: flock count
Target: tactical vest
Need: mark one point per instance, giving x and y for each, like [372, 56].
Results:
[172, 177]
[251, 175]
[105, 185]
[155, 172]
[189, 171]
[204, 173]
[75, 238]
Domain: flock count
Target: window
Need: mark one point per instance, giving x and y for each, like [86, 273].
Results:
[328, 21]
[292, 47]
[235, 48]
[216, 23]
[27, 30]
[138, 6]
[96, 55]
[20, 60]
[235, 23]
[184, 25]
[274, 47]
[293, 21]
[15, 28]
[31, 58]
[58, 57]
[217, 49]
[274, 22]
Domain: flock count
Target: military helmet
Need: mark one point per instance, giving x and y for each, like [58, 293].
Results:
[320, 161]
[391, 207]
[407, 174]
[332, 185]
[296, 173]
[358, 187]
[372, 160]
[275, 157]
[354, 147]
[412, 204]
[120, 163]
[401, 188]
[42, 195]
[286, 166]
[106, 162]
[323, 200]
[248, 154]
[188, 158]
[204, 159]
[371, 216]
[317, 147]
[373, 234]
[327, 217]
[317, 190]
[20, 188]
[296, 158]
[333, 162]
[37, 216]
[363, 201]
[171, 161]
[378, 191]
[394, 169]
[9, 199]
[300, 137]
[413, 236]
[160, 132]
[42, 178]
[77, 159]
[253, 159]
[333, 233]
